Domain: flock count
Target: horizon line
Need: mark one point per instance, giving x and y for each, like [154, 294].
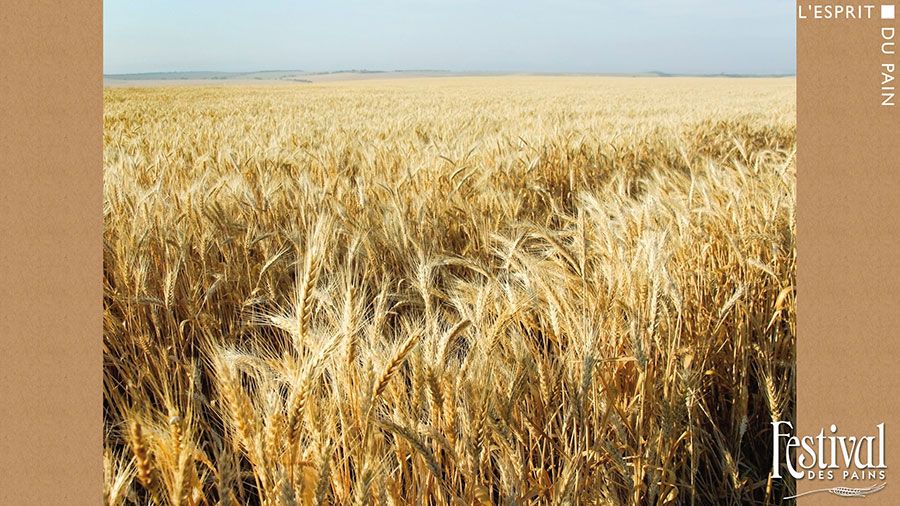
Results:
[660, 73]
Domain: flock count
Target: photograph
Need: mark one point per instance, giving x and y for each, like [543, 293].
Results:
[448, 253]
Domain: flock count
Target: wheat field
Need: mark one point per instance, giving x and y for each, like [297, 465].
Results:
[449, 291]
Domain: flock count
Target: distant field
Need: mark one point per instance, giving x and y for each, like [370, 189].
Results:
[467, 290]
[299, 76]
[248, 78]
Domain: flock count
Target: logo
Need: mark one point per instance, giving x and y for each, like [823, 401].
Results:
[860, 14]
[829, 456]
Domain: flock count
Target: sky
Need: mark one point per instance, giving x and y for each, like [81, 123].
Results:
[610, 36]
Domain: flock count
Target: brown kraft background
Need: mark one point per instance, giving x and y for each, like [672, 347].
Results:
[51, 392]
[848, 242]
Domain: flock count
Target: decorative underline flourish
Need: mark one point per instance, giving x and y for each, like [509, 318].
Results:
[844, 491]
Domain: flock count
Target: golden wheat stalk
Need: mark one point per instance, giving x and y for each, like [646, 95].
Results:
[591, 273]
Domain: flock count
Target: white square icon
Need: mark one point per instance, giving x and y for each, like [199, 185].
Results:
[887, 12]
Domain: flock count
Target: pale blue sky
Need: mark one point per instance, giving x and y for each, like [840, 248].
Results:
[676, 36]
